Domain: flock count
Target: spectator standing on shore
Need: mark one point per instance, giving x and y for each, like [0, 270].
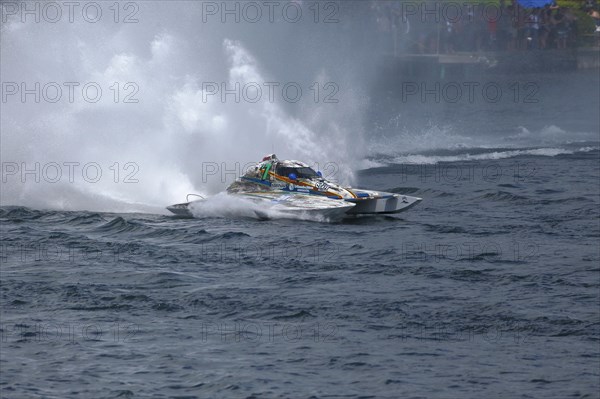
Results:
[469, 31]
[561, 27]
[492, 25]
[533, 27]
[589, 5]
[482, 29]
[572, 32]
[449, 37]
[545, 26]
[383, 22]
[596, 17]
[520, 17]
[507, 29]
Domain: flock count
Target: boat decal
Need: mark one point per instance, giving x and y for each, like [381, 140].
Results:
[322, 186]
[279, 185]
[255, 180]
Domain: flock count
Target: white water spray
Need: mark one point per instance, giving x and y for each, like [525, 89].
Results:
[155, 134]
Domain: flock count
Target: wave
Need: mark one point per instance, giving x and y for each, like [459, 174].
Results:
[436, 138]
[18, 212]
[479, 154]
[503, 196]
[86, 219]
[424, 192]
[120, 225]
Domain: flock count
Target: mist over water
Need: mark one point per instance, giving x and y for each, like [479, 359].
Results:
[169, 124]
[560, 112]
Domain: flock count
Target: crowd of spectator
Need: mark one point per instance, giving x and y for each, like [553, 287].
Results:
[435, 27]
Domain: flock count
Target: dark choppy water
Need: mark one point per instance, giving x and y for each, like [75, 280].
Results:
[489, 288]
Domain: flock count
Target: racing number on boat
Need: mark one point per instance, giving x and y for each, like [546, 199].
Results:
[322, 186]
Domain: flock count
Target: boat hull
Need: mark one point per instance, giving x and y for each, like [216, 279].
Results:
[299, 204]
[382, 203]
[181, 209]
[277, 204]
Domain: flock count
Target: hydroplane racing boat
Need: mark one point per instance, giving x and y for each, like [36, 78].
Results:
[293, 187]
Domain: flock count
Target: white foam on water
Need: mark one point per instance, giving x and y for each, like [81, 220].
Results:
[494, 155]
[223, 205]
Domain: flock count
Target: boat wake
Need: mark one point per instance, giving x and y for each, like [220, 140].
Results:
[224, 205]
[482, 155]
